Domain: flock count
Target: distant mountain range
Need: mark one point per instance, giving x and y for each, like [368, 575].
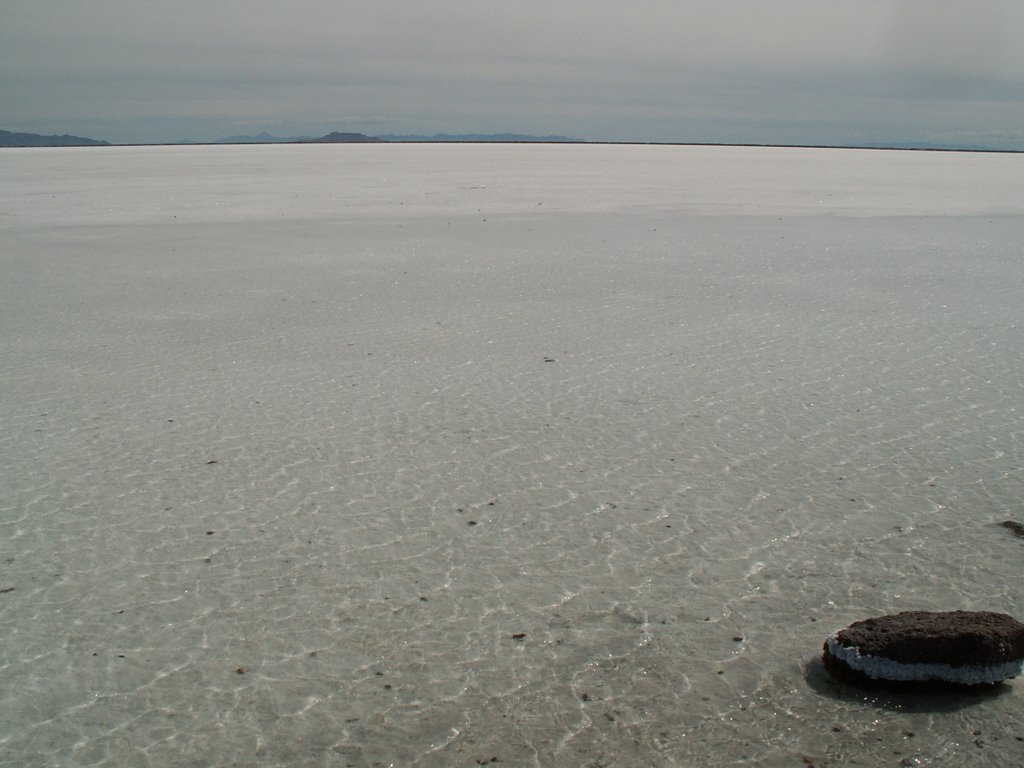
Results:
[8, 139]
[262, 138]
[500, 137]
[344, 138]
[336, 137]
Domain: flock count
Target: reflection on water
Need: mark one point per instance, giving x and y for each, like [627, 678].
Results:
[568, 489]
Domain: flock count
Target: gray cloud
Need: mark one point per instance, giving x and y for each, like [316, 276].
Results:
[956, 38]
[730, 70]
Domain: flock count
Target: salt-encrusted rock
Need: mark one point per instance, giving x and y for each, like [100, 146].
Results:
[958, 647]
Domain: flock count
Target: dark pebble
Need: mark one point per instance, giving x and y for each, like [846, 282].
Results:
[1014, 526]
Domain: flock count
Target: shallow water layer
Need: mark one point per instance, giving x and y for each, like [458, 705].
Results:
[430, 455]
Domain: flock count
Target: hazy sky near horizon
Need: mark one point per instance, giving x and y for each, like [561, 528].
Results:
[772, 71]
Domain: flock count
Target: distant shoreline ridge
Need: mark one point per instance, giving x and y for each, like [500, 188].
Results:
[10, 139]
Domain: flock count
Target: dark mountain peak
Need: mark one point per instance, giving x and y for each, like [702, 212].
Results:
[8, 139]
[345, 138]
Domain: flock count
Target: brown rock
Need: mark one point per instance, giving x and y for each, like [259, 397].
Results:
[963, 647]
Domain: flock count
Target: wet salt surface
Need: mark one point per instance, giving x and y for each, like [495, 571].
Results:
[428, 455]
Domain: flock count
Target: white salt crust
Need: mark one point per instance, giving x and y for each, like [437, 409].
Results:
[881, 668]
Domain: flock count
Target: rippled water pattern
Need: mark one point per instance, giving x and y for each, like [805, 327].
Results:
[524, 455]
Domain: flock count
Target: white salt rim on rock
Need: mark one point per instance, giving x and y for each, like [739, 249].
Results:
[882, 668]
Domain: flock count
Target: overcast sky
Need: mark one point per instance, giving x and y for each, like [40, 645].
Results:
[760, 71]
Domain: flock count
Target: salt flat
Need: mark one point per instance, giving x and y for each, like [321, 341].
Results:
[560, 455]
